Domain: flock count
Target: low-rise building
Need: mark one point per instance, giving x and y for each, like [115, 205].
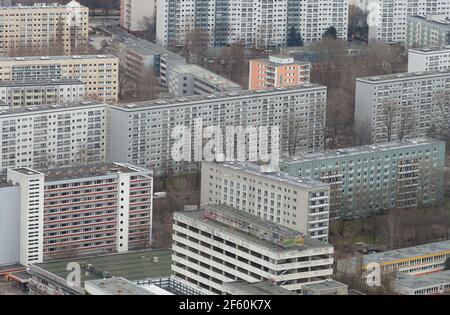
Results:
[219, 244]
[299, 204]
[372, 178]
[258, 288]
[114, 286]
[428, 284]
[329, 287]
[428, 59]
[278, 71]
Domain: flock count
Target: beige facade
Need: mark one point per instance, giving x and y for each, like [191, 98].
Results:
[99, 73]
[43, 26]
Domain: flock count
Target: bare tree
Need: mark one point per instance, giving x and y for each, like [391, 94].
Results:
[390, 111]
[195, 45]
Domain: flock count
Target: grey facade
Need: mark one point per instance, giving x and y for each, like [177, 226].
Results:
[427, 32]
[9, 224]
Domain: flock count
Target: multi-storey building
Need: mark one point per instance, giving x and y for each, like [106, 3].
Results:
[186, 80]
[428, 59]
[277, 71]
[44, 27]
[367, 179]
[249, 22]
[136, 14]
[416, 261]
[299, 204]
[219, 244]
[388, 18]
[428, 284]
[49, 136]
[9, 221]
[99, 73]
[65, 212]
[32, 93]
[403, 105]
[141, 133]
[428, 31]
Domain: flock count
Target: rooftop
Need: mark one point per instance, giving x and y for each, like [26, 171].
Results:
[94, 170]
[205, 74]
[367, 149]
[430, 50]
[259, 288]
[226, 96]
[255, 222]
[46, 6]
[327, 284]
[282, 59]
[258, 170]
[56, 58]
[427, 280]
[115, 286]
[137, 265]
[54, 107]
[439, 22]
[405, 76]
[40, 83]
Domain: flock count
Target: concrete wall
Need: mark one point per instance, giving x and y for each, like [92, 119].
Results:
[9, 225]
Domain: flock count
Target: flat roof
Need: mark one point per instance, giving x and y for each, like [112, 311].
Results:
[198, 215]
[40, 82]
[46, 107]
[57, 58]
[136, 265]
[404, 76]
[366, 149]
[225, 96]
[205, 74]
[116, 286]
[441, 23]
[94, 170]
[327, 284]
[408, 252]
[430, 50]
[425, 281]
[26, 171]
[52, 5]
[258, 288]
[285, 178]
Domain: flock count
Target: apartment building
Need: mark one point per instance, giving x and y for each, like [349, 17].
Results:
[142, 132]
[48, 136]
[218, 244]
[403, 105]
[430, 31]
[73, 211]
[368, 179]
[34, 93]
[298, 204]
[9, 220]
[389, 18]
[428, 59]
[99, 73]
[44, 27]
[415, 261]
[277, 71]
[186, 80]
[249, 22]
[136, 14]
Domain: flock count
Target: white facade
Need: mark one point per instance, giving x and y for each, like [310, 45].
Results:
[388, 18]
[48, 136]
[9, 223]
[403, 105]
[428, 31]
[134, 14]
[251, 22]
[142, 132]
[301, 205]
[214, 246]
[428, 59]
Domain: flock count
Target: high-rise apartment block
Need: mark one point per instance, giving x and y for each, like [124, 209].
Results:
[277, 71]
[368, 179]
[135, 15]
[44, 27]
[99, 73]
[299, 204]
[217, 245]
[47, 136]
[403, 105]
[428, 59]
[388, 18]
[248, 22]
[425, 32]
[32, 93]
[67, 212]
[142, 132]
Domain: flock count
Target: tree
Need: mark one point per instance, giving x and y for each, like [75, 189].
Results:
[330, 32]
[357, 23]
[146, 86]
[390, 111]
[235, 63]
[294, 38]
[148, 26]
[195, 45]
